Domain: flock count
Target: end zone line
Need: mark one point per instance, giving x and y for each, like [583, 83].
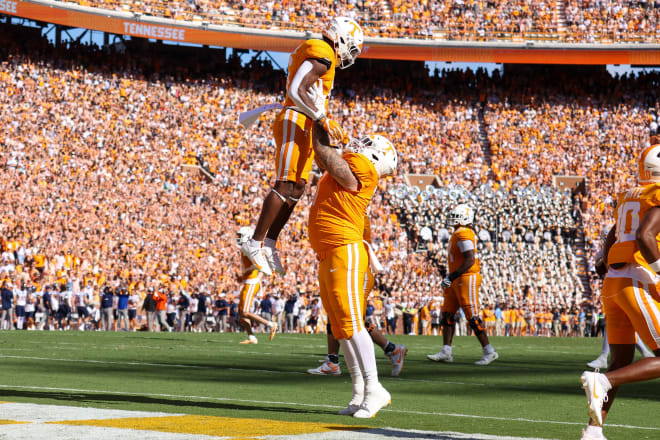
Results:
[315, 405]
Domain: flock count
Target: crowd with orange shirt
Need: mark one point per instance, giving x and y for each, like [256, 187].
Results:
[95, 193]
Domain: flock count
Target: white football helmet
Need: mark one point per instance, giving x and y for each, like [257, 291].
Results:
[461, 215]
[243, 234]
[649, 165]
[378, 150]
[347, 36]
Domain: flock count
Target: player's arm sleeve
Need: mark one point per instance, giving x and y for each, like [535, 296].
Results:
[301, 92]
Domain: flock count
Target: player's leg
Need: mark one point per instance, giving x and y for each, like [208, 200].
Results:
[293, 161]
[642, 348]
[342, 292]
[294, 191]
[601, 360]
[629, 307]
[448, 324]
[467, 287]
[330, 366]
[396, 353]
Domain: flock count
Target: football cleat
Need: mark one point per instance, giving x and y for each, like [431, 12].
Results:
[273, 257]
[587, 436]
[256, 256]
[599, 363]
[273, 330]
[373, 402]
[349, 410]
[441, 357]
[487, 358]
[327, 368]
[596, 396]
[249, 341]
[397, 356]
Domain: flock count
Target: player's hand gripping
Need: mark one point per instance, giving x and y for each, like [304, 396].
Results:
[333, 129]
[446, 282]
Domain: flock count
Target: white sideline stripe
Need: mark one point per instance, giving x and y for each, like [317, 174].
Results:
[92, 361]
[316, 405]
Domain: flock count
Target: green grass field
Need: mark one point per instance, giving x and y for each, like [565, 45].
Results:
[532, 390]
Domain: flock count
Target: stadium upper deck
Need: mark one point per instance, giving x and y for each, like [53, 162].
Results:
[575, 21]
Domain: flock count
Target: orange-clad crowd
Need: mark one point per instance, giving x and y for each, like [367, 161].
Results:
[95, 192]
[571, 21]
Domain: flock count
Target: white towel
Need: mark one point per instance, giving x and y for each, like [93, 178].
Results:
[246, 119]
[374, 264]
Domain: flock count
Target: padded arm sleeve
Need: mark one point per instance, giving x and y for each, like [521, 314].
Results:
[303, 70]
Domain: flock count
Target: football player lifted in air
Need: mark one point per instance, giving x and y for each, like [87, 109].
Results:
[311, 76]
[251, 279]
[461, 286]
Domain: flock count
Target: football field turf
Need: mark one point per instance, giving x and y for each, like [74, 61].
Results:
[531, 391]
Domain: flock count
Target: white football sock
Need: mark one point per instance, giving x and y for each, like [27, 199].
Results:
[605, 351]
[488, 349]
[594, 431]
[269, 242]
[446, 349]
[354, 370]
[366, 356]
[255, 244]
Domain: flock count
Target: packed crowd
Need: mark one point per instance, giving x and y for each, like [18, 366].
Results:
[95, 195]
[526, 240]
[583, 21]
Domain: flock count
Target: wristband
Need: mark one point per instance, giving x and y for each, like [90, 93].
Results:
[655, 266]
[320, 118]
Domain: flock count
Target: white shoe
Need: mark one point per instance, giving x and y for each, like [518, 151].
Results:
[487, 358]
[272, 255]
[397, 356]
[586, 436]
[596, 396]
[256, 256]
[441, 357]
[349, 410]
[373, 402]
[326, 369]
[599, 363]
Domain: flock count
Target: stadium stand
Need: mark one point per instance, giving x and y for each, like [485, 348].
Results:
[94, 189]
[570, 21]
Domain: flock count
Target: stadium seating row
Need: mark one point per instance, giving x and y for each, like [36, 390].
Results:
[574, 21]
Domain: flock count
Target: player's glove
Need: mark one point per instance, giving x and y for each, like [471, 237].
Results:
[446, 282]
[333, 129]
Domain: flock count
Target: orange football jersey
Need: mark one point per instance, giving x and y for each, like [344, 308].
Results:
[318, 50]
[456, 255]
[630, 210]
[337, 215]
[250, 273]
